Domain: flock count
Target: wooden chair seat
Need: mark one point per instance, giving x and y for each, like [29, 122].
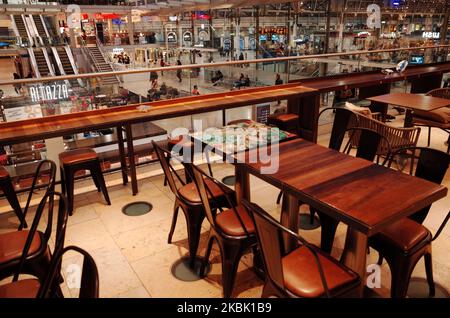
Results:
[12, 244]
[25, 288]
[77, 156]
[179, 141]
[283, 118]
[3, 173]
[427, 121]
[230, 224]
[302, 278]
[404, 234]
[190, 193]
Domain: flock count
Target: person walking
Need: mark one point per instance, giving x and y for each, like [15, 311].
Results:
[162, 64]
[179, 71]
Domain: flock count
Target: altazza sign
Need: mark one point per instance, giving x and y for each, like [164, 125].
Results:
[44, 93]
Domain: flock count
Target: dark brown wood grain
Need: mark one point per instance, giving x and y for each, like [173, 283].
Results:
[361, 194]
[59, 125]
[412, 101]
[357, 80]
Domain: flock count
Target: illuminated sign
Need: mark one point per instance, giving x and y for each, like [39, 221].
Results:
[431, 35]
[173, 18]
[44, 93]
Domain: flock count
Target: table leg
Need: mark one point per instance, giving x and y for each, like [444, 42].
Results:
[354, 255]
[242, 186]
[122, 155]
[130, 147]
[408, 118]
[289, 219]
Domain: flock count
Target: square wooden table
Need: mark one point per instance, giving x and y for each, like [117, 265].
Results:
[365, 196]
[411, 102]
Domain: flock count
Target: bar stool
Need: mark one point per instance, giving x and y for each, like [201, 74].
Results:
[8, 190]
[286, 122]
[80, 159]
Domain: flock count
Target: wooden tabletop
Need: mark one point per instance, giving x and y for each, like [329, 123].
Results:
[341, 81]
[60, 125]
[412, 101]
[361, 194]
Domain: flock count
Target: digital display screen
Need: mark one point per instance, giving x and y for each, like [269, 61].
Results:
[263, 37]
[417, 59]
[275, 37]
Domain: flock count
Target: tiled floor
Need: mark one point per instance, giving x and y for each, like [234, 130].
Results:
[134, 258]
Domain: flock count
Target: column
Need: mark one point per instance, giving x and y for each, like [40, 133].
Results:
[130, 26]
[444, 27]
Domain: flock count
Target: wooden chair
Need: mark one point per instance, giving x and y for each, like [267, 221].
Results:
[89, 284]
[398, 138]
[439, 118]
[33, 255]
[45, 173]
[186, 198]
[303, 272]
[232, 229]
[404, 243]
[185, 148]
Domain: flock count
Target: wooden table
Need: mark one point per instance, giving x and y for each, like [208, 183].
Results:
[411, 102]
[124, 117]
[365, 196]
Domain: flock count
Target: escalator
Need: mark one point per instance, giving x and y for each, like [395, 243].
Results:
[66, 63]
[43, 63]
[41, 29]
[21, 28]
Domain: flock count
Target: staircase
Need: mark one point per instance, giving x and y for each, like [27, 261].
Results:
[101, 65]
[42, 63]
[39, 26]
[21, 26]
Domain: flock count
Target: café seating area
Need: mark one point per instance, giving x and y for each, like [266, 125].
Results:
[316, 202]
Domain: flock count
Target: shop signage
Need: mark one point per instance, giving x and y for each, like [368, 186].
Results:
[42, 93]
[200, 15]
[106, 16]
[117, 50]
[173, 18]
[431, 35]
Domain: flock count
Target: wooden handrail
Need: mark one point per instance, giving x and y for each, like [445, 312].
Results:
[191, 66]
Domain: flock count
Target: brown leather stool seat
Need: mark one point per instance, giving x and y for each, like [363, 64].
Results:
[25, 288]
[77, 156]
[12, 244]
[302, 278]
[230, 224]
[77, 160]
[286, 122]
[404, 234]
[190, 193]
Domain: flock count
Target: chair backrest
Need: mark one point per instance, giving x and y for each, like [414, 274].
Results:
[368, 142]
[89, 282]
[440, 92]
[398, 137]
[45, 168]
[343, 119]
[432, 165]
[170, 173]
[209, 200]
[270, 237]
[60, 227]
